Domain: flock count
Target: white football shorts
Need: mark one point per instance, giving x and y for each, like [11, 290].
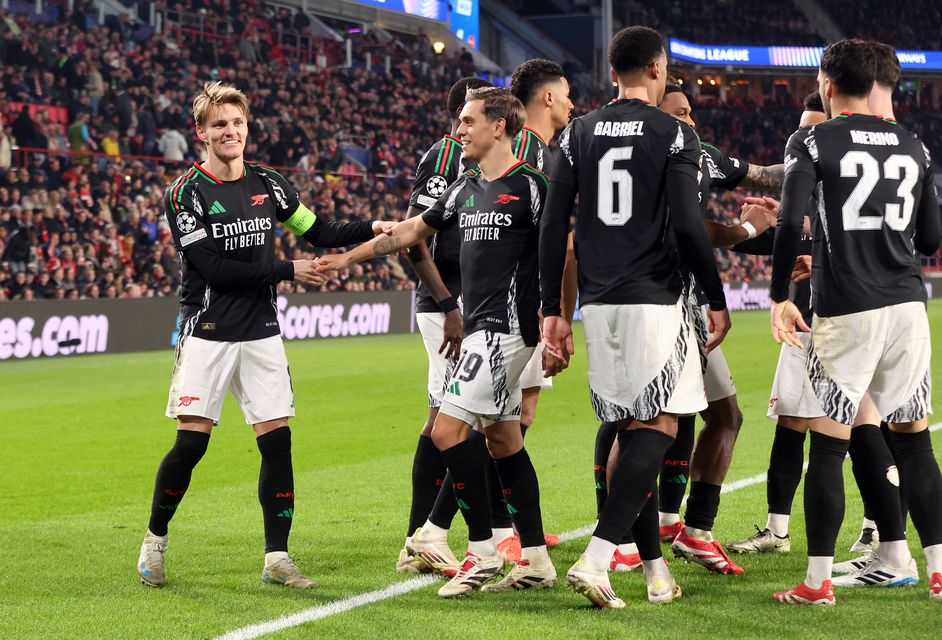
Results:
[884, 352]
[644, 360]
[485, 384]
[255, 371]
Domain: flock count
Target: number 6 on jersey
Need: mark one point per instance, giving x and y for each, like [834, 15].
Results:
[611, 179]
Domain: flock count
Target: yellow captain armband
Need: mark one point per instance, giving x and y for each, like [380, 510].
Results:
[300, 221]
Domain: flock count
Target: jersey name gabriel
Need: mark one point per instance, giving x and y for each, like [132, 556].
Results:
[498, 226]
[238, 217]
[617, 157]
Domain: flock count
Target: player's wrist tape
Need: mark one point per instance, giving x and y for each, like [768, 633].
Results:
[751, 230]
[448, 305]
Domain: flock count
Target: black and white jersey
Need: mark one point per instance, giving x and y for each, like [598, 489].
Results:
[627, 160]
[439, 167]
[718, 171]
[875, 206]
[498, 226]
[238, 219]
[530, 147]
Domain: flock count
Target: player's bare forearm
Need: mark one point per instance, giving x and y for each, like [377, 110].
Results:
[764, 178]
[570, 288]
[723, 236]
[405, 234]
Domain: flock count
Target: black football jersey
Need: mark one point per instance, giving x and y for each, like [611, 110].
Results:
[238, 217]
[875, 203]
[439, 167]
[718, 171]
[618, 158]
[498, 224]
[529, 146]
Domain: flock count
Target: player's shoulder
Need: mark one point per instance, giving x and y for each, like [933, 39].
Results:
[261, 169]
[181, 186]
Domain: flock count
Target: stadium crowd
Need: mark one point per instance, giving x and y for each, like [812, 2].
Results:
[83, 218]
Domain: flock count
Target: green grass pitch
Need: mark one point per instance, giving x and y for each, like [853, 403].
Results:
[82, 438]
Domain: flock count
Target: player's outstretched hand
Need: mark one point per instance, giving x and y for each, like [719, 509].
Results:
[558, 337]
[552, 365]
[306, 273]
[758, 216]
[383, 226]
[332, 262]
[771, 204]
[719, 325]
[453, 334]
[786, 322]
[802, 269]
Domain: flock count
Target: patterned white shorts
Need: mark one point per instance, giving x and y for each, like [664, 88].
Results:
[485, 384]
[644, 360]
[884, 352]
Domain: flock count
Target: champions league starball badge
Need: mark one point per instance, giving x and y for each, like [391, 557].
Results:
[186, 222]
[436, 186]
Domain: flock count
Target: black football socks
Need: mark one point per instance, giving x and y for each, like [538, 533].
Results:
[785, 467]
[521, 491]
[675, 469]
[428, 476]
[276, 487]
[604, 439]
[638, 466]
[824, 493]
[173, 477]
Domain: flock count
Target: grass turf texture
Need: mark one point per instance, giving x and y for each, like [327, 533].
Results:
[83, 437]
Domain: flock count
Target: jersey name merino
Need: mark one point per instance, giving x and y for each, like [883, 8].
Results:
[439, 167]
[498, 223]
[238, 218]
[874, 199]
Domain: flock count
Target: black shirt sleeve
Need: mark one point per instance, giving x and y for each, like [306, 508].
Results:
[761, 245]
[554, 224]
[683, 199]
[927, 231]
[436, 170]
[220, 271]
[301, 221]
[444, 213]
[725, 172]
[800, 181]
[187, 227]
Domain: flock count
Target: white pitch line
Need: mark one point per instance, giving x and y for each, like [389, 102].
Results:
[400, 588]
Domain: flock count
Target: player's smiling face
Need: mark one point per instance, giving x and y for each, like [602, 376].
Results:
[225, 131]
[476, 132]
[677, 105]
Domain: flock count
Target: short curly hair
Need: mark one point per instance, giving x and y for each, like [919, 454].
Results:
[634, 48]
[531, 75]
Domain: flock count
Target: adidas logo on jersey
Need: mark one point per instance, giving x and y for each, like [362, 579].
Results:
[469, 202]
[216, 208]
[453, 389]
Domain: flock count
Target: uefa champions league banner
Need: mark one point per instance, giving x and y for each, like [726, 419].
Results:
[49, 328]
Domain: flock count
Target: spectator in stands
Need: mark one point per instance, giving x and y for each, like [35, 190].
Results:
[172, 145]
[24, 129]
